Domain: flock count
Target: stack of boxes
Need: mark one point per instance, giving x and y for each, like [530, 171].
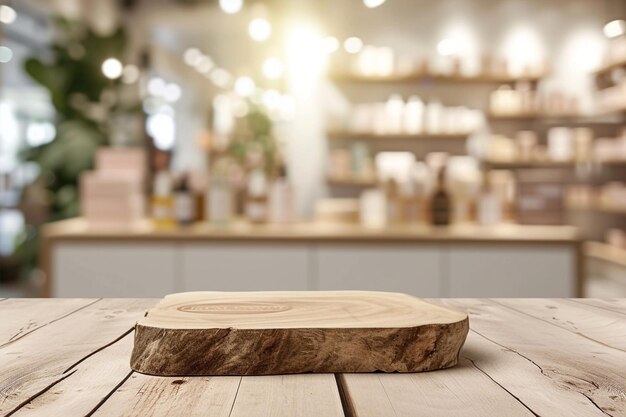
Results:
[113, 194]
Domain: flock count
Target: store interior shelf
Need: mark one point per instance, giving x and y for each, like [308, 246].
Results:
[550, 164]
[353, 181]
[601, 118]
[597, 208]
[606, 69]
[425, 77]
[605, 252]
[528, 164]
[348, 135]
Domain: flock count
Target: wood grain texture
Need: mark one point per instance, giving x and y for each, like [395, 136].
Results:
[145, 395]
[267, 333]
[40, 360]
[587, 377]
[430, 394]
[521, 358]
[22, 316]
[605, 327]
[288, 396]
[88, 383]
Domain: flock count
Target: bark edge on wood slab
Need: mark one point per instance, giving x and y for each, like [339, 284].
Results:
[177, 349]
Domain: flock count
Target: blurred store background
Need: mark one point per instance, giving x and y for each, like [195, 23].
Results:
[441, 148]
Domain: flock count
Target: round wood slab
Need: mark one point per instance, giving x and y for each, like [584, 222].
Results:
[262, 333]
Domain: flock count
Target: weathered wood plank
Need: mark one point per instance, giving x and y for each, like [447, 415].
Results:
[616, 305]
[311, 395]
[572, 364]
[463, 390]
[603, 326]
[145, 395]
[21, 316]
[39, 361]
[90, 382]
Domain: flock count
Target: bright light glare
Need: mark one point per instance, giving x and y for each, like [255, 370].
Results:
[331, 44]
[353, 45]
[220, 77]
[615, 28]
[306, 57]
[156, 87]
[172, 92]
[6, 54]
[205, 64]
[271, 99]
[192, 56]
[273, 68]
[40, 133]
[373, 3]
[130, 74]
[162, 129]
[244, 86]
[7, 14]
[231, 6]
[260, 29]
[112, 68]
[447, 47]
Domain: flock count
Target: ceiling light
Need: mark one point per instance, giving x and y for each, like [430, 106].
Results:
[615, 28]
[244, 86]
[353, 45]
[259, 29]
[112, 68]
[373, 3]
[231, 6]
[7, 14]
[273, 68]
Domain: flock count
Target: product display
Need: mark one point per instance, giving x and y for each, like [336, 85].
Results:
[219, 333]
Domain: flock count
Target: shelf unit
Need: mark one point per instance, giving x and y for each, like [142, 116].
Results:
[608, 68]
[597, 207]
[549, 164]
[351, 181]
[416, 77]
[348, 135]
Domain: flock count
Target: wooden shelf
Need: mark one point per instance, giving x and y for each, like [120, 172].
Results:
[606, 69]
[550, 164]
[566, 118]
[351, 181]
[424, 77]
[347, 135]
[528, 164]
[605, 252]
[598, 208]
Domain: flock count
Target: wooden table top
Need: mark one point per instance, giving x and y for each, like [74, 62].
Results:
[78, 229]
[542, 357]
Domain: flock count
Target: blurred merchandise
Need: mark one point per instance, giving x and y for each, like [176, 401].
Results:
[523, 101]
[185, 205]
[395, 117]
[162, 210]
[540, 195]
[113, 194]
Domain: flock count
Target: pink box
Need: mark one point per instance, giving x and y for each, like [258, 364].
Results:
[122, 159]
[123, 209]
[114, 184]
